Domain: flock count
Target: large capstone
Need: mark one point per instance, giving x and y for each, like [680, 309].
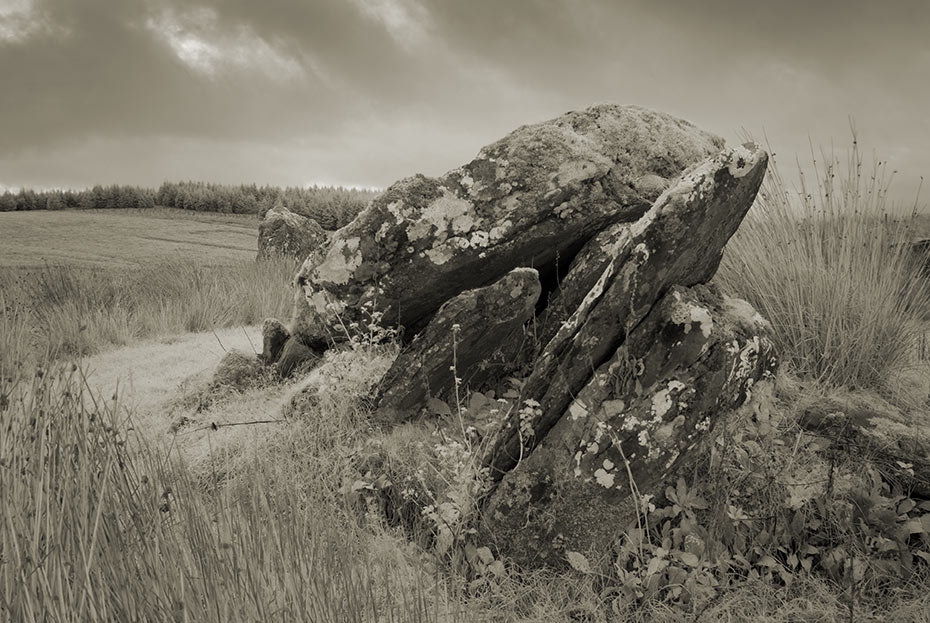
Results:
[532, 199]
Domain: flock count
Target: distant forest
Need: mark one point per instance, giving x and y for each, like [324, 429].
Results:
[331, 207]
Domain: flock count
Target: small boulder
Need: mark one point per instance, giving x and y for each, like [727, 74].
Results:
[283, 232]
[281, 350]
[862, 427]
[274, 336]
[294, 355]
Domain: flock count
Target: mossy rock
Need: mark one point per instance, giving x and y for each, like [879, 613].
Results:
[238, 370]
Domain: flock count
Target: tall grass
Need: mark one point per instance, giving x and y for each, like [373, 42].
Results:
[95, 525]
[829, 267]
[72, 311]
[95, 528]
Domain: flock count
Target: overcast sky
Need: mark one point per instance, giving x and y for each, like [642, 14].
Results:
[363, 92]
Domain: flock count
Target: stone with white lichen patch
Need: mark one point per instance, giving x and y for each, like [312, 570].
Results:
[636, 426]
[679, 240]
[687, 356]
[628, 360]
[530, 199]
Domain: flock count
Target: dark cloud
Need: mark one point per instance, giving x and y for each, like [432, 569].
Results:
[104, 73]
[366, 91]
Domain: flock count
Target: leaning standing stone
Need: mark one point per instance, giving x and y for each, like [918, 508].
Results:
[679, 241]
[694, 358]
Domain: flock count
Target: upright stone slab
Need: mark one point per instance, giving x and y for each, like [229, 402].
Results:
[274, 336]
[461, 341]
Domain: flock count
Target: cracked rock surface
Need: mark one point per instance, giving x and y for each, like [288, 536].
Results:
[694, 357]
[679, 241]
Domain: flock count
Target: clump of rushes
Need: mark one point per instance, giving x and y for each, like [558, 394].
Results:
[97, 528]
[830, 268]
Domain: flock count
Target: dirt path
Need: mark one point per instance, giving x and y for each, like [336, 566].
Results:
[149, 376]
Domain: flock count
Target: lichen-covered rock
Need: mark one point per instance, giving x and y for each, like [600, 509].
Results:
[459, 342]
[680, 240]
[694, 357]
[538, 194]
[274, 336]
[283, 232]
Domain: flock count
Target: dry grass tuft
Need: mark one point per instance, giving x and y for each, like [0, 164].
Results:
[97, 528]
[828, 268]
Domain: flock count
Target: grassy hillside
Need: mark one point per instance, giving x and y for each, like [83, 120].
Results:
[65, 311]
[120, 238]
[314, 515]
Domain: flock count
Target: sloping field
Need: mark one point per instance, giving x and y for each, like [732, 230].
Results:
[125, 237]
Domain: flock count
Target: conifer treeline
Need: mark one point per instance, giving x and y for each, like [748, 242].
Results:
[331, 207]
